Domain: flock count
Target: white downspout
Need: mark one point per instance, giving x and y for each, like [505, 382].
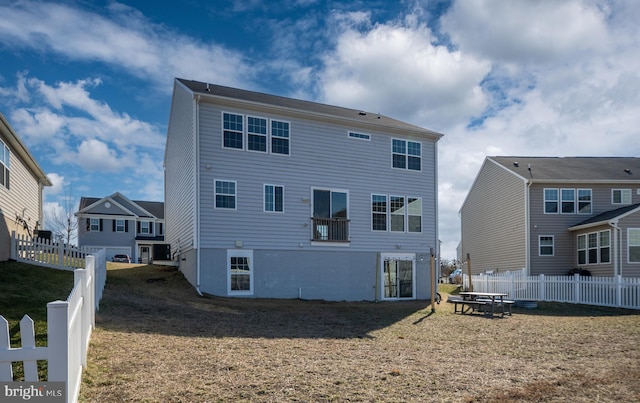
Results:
[617, 244]
[197, 184]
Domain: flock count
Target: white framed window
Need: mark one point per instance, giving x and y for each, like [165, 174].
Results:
[239, 272]
[414, 214]
[359, 136]
[379, 212]
[584, 201]
[280, 137]
[620, 196]
[406, 154]
[397, 211]
[120, 225]
[551, 201]
[568, 201]
[145, 228]
[582, 249]
[225, 194]
[5, 157]
[398, 274]
[95, 224]
[633, 245]
[256, 134]
[604, 245]
[546, 245]
[232, 131]
[274, 198]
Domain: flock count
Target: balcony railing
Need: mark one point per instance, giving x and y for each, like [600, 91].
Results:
[330, 229]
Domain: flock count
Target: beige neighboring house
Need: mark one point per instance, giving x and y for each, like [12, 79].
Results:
[21, 184]
[554, 215]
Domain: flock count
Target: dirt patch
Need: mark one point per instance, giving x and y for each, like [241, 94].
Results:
[159, 342]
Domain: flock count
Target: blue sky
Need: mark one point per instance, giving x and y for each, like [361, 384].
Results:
[87, 85]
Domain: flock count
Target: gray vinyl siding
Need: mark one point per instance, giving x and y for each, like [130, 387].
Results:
[565, 247]
[493, 221]
[321, 156]
[23, 199]
[180, 186]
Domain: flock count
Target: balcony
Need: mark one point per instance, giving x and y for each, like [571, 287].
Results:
[330, 229]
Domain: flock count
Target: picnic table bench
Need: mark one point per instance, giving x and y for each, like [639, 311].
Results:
[484, 302]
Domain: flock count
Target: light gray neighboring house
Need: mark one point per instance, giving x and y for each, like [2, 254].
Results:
[21, 184]
[273, 197]
[554, 215]
[123, 226]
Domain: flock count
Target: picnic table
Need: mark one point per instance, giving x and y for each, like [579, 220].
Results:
[485, 302]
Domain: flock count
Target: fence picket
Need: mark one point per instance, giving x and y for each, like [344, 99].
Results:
[27, 333]
[618, 291]
[6, 371]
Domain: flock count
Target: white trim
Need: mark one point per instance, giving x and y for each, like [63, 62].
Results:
[240, 253]
[384, 256]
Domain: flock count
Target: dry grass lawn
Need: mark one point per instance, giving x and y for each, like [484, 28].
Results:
[157, 341]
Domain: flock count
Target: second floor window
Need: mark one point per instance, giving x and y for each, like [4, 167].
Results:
[621, 196]
[120, 226]
[279, 137]
[225, 194]
[564, 201]
[403, 213]
[257, 134]
[274, 198]
[95, 225]
[584, 201]
[568, 201]
[144, 228]
[406, 154]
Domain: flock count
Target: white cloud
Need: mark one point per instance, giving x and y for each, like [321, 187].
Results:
[125, 40]
[57, 184]
[94, 155]
[517, 31]
[396, 70]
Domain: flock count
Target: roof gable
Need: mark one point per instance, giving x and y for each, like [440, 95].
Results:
[118, 204]
[20, 150]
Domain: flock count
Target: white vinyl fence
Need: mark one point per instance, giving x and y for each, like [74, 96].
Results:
[617, 291]
[42, 252]
[69, 323]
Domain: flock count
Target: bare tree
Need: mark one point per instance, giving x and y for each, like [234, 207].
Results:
[61, 221]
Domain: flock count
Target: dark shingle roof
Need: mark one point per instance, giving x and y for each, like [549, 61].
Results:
[609, 215]
[573, 168]
[300, 105]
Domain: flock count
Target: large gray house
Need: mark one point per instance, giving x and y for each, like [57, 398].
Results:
[554, 215]
[273, 197]
[123, 227]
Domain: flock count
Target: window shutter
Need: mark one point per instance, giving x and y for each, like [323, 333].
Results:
[113, 226]
[101, 225]
[88, 224]
[138, 229]
[126, 225]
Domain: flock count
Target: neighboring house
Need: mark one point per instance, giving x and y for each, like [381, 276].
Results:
[123, 227]
[554, 215]
[21, 184]
[273, 197]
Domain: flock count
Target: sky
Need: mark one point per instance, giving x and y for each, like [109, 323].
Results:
[87, 84]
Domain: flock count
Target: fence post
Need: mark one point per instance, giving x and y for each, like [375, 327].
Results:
[618, 279]
[13, 246]
[90, 267]
[576, 288]
[58, 343]
[541, 289]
